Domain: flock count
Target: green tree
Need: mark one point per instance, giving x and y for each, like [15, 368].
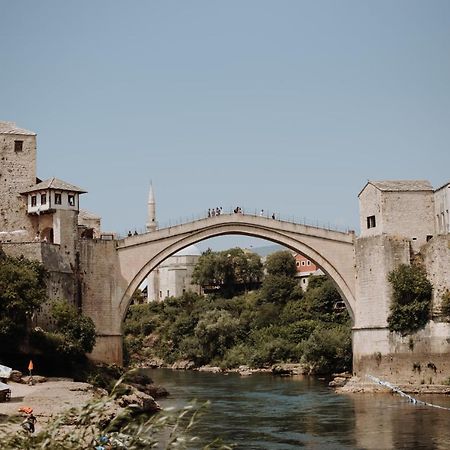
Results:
[22, 292]
[228, 272]
[73, 335]
[281, 263]
[411, 302]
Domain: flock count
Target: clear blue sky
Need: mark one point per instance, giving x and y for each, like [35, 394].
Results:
[288, 106]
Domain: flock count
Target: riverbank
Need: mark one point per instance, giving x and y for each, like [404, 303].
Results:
[47, 399]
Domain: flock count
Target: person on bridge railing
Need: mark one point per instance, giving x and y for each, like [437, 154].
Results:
[261, 214]
[273, 216]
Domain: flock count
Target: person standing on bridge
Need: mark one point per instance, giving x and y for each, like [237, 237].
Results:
[261, 214]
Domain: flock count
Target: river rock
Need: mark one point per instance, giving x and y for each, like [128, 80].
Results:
[338, 382]
[152, 389]
[183, 365]
[16, 376]
[139, 400]
[211, 369]
[36, 379]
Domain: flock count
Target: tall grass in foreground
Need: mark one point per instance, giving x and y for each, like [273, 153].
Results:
[95, 426]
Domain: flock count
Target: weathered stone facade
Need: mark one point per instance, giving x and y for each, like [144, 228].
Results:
[397, 225]
[17, 172]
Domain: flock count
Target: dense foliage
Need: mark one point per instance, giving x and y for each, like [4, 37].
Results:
[411, 302]
[72, 336]
[22, 292]
[228, 272]
[276, 323]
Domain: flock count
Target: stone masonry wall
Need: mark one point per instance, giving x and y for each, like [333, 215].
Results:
[375, 257]
[17, 172]
[410, 215]
[436, 254]
[101, 285]
[61, 281]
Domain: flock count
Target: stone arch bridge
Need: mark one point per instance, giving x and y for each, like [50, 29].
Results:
[113, 270]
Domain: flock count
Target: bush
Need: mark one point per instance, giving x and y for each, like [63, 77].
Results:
[411, 303]
[328, 350]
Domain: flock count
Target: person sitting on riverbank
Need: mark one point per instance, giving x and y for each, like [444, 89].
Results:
[29, 422]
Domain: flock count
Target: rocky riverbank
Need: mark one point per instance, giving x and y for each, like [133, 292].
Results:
[52, 397]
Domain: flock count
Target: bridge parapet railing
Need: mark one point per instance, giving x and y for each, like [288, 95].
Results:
[245, 212]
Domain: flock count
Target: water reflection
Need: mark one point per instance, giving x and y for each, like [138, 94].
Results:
[265, 412]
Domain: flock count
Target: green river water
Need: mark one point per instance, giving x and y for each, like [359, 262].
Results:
[266, 412]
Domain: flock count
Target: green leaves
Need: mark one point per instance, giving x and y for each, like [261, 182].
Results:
[411, 303]
[228, 272]
[22, 292]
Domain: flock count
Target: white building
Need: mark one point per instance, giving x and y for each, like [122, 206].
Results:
[173, 276]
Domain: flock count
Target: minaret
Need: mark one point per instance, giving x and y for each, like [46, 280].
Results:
[151, 210]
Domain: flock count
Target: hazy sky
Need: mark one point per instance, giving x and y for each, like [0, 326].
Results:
[290, 106]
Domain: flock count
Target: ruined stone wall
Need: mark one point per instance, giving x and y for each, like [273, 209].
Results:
[17, 172]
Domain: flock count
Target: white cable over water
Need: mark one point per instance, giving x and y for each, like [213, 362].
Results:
[413, 400]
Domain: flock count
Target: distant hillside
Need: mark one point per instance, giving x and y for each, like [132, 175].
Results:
[267, 249]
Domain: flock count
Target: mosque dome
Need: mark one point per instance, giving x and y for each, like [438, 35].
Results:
[192, 250]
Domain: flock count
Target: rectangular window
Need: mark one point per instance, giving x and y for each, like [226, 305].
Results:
[308, 263]
[57, 198]
[18, 146]
[43, 199]
[160, 294]
[33, 200]
[303, 263]
[71, 199]
[371, 223]
[168, 294]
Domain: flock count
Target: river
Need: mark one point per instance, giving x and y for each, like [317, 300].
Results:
[266, 412]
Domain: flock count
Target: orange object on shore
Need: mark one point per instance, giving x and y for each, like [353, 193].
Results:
[30, 365]
[26, 409]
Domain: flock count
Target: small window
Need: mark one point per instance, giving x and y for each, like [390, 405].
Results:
[18, 146]
[303, 263]
[371, 223]
[297, 263]
[168, 293]
[33, 200]
[57, 198]
[304, 280]
[71, 199]
[43, 199]
[160, 294]
[308, 263]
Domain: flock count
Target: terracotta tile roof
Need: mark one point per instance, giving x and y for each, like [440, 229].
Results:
[54, 183]
[11, 128]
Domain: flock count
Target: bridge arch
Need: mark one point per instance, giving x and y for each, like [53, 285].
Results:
[332, 251]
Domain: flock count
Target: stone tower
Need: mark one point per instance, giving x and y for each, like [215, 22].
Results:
[17, 173]
[151, 210]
